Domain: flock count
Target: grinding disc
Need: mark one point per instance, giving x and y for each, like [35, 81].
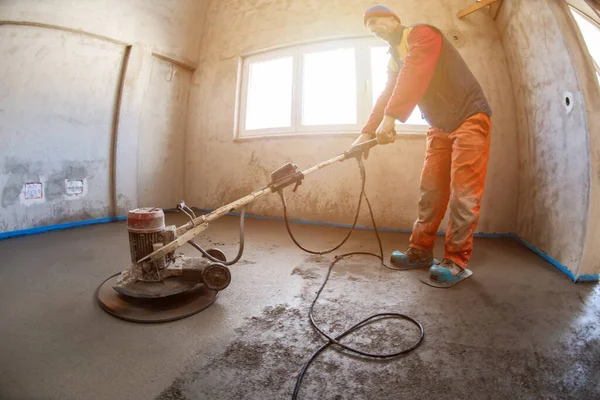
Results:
[153, 310]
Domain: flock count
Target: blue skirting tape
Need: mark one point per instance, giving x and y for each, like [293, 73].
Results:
[556, 264]
[68, 225]
[588, 278]
[546, 257]
[58, 227]
[562, 268]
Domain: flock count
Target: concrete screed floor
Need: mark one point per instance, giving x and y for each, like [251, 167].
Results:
[517, 329]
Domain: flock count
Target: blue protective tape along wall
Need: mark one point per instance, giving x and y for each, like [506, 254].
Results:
[69, 225]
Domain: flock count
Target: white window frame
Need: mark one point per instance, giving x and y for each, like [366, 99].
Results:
[364, 96]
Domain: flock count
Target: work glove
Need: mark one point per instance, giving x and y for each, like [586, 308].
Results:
[363, 138]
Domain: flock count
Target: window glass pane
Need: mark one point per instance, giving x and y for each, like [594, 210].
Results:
[591, 36]
[379, 65]
[329, 87]
[269, 102]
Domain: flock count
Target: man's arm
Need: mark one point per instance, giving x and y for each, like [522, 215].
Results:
[382, 101]
[424, 47]
[404, 90]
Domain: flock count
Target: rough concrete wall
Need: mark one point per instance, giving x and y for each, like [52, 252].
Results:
[586, 74]
[219, 170]
[172, 28]
[57, 93]
[162, 136]
[554, 160]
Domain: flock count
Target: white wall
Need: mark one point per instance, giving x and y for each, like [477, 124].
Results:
[161, 146]
[171, 27]
[49, 138]
[59, 97]
[554, 147]
[219, 170]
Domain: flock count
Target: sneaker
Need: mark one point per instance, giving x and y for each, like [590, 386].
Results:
[412, 258]
[446, 274]
[455, 270]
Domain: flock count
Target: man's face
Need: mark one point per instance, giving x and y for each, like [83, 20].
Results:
[382, 27]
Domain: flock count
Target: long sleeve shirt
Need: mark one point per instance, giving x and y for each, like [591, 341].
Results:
[405, 87]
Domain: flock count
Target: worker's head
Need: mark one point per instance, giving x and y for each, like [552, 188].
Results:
[381, 21]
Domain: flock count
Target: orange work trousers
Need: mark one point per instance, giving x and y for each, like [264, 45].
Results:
[453, 174]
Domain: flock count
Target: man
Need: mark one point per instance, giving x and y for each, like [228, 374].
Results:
[426, 70]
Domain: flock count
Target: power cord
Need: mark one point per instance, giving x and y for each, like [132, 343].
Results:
[240, 249]
[367, 321]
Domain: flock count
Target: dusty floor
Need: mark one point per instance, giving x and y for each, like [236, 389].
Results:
[517, 329]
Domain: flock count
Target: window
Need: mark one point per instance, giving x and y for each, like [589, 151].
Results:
[328, 89]
[315, 88]
[590, 31]
[269, 94]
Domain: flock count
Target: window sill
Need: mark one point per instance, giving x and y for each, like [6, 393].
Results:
[320, 135]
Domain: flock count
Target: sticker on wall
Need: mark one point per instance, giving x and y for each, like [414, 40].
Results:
[568, 101]
[75, 188]
[33, 190]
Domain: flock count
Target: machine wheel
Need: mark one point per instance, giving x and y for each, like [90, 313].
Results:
[216, 276]
[218, 254]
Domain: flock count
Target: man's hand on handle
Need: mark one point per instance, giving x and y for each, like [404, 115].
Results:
[364, 137]
[386, 132]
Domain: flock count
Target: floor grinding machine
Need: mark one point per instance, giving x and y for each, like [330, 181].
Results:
[162, 286]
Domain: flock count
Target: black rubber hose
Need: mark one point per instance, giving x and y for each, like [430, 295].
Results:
[240, 249]
[367, 321]
[327, 251]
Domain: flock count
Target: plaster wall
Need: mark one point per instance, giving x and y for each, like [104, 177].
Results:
[220, 170]
[57, 93]
[61, 69]
[554, 156]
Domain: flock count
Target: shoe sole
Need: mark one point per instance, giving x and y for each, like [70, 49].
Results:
[463, 275]
[408, 268]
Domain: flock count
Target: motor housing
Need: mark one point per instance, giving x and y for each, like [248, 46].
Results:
[147, 233]
[173, 274]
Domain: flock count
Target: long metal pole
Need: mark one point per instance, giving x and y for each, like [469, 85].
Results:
[221, 211]
[188, 231]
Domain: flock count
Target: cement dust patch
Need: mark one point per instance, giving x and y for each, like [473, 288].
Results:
[359, 268]
[483, 351]
[306, 272]
[318, 259]
[265, 358]
[259, 364]
[245, 262]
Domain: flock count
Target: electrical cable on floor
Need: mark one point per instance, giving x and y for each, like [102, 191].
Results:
[367, 321]
[240, 250]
